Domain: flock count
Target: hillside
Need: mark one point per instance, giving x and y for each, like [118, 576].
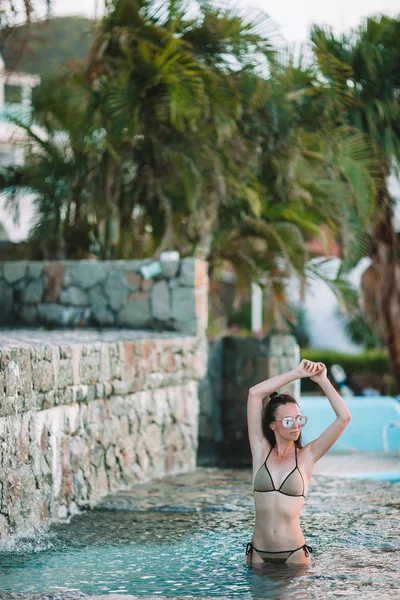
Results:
[52, 46]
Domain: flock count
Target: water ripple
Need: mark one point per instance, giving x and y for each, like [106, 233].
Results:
[183, 536]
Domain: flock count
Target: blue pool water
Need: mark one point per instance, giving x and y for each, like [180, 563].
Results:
[365, 431]
[183, 536]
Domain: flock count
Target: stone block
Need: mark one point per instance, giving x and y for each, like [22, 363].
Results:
[187, 272]
[110, 457]
[74, 295]
[146, 285]
[12, 375]
[14, 270]
[133, 280]
[136, 312]
[28, 315]
[24, 362]
[33, 292]
[90, 367]
[116, 289]
[101, 314]
[160, 301]
[65, 374]
[56, 315]
[64, 396]
[42, 376]
[6, 302]
[130, 359]
[86, 273]
[81, 392]
[183, 304]
[123, 387]
[184, 310]
[100, 390]
[49, 400]
[35, 269]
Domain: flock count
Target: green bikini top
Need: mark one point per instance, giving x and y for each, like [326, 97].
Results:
[292, 485]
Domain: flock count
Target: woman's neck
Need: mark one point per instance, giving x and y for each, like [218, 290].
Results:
[284, 448]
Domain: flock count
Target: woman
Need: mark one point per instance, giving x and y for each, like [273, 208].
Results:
[282, 467]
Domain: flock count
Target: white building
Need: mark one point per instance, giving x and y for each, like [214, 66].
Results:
[15, 101]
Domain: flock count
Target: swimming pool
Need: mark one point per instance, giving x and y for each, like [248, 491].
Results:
[183, 536]
[366, 431]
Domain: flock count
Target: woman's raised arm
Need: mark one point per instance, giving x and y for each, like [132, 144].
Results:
[258, 392]
[321, 445]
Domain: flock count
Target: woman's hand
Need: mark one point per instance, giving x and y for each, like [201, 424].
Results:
[321, 374]
[313, 370]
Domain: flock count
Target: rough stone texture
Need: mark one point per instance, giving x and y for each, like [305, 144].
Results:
[83, 414]
[74, 295]
[116, 289]
[184, 310]
[110, 293]
[160, 301]
[35, 270]
[6, 302]
[14, 271]
[86, 273]
[235, 364]
[33, 292]
[56, 315]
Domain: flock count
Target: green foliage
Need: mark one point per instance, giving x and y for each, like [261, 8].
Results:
[359, 330]
[371, 361]
[374, 360]
[48, 48]
[188, 129]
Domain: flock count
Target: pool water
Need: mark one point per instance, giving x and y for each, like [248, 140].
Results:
[183, 536]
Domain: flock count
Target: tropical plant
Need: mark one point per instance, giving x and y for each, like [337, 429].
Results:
[361, 70]
[190, 130]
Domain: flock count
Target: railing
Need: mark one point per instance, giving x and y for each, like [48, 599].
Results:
[385, 429]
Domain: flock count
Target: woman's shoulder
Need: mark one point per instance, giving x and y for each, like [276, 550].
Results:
[259, 451]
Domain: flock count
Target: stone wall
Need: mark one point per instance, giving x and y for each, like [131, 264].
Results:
[84, 413]
[106, 294]
[235, 365]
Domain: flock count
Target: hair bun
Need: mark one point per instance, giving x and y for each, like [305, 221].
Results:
[273, 395]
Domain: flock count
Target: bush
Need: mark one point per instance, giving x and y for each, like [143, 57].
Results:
[371, 361]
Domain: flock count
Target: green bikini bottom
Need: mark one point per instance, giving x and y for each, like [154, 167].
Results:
[281, 556]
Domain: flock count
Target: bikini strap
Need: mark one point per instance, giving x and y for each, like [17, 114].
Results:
[249, 548]
[295, 453]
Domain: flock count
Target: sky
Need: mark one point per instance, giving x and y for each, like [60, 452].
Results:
[293, 17]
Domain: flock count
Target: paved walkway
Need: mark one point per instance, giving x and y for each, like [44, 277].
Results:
[346, 464]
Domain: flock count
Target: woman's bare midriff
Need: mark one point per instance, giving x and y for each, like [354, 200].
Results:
[277, 526]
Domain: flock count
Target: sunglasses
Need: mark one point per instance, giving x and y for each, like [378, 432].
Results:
[288, 422]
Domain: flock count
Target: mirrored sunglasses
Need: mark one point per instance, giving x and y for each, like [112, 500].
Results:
[288, 422]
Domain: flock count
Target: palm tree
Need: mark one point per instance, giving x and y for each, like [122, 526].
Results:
[362, 71]
[165, 89]
[176, 137]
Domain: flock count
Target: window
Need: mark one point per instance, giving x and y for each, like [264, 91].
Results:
[13, 94]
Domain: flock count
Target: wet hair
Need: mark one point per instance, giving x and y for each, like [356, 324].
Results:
[269, 413]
